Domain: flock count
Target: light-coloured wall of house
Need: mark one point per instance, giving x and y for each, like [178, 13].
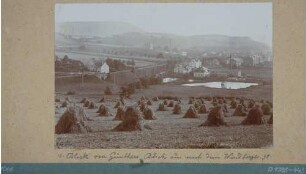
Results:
[104, 68]
[199, 74]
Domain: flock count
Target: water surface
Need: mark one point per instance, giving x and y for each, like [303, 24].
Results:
[224, 85]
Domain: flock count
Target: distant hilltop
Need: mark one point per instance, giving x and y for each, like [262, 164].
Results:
[128, 35]
[100, 29]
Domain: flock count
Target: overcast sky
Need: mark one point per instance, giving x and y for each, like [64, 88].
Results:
[234, 19]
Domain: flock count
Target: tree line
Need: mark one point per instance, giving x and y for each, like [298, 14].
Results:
[128, 90]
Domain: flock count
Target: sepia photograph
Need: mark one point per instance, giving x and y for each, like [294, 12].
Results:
[163, 76]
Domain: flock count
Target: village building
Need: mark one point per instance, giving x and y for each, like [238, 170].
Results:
[178, 69]
[257, 59]
[239, 73]
[195, 63]
[104, 68]
[187, 67]
[201, 72]
[235, 61]
[182, 69]
[149, 46]
[212, 62]
[104, 71]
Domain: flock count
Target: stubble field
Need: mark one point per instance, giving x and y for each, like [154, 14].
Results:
[167, 131]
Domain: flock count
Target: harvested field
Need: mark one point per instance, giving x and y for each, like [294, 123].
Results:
[167, 131]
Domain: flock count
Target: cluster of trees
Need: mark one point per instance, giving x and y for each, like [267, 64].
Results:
[108, 91]
[68, 65]
[142, 83]
[116, 64]
[130, 62]
[131, 88]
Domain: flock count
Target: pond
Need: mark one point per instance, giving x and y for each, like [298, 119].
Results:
[167, 80]
[225, 85]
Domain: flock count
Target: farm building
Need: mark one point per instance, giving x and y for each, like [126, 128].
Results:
[104, 71]
[195, 63]
[104, 68]
[239, 73]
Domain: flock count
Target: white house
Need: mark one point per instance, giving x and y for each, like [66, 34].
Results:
[104, 68]
[239, 73]
[103, 71]
[195, 63]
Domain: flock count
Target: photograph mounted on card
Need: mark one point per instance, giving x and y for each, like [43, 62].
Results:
[146, 76]
[166, 82]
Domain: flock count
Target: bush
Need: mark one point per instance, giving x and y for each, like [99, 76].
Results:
[144, 82]
[155, 80]
[123, 92]
[107, 91]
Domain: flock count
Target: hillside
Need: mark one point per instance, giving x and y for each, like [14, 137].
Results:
[100, 29]
[198, 42]
[125, 34]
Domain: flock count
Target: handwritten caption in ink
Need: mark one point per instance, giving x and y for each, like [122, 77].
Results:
[115, 156]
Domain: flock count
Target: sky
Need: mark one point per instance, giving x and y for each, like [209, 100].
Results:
[253, 20]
